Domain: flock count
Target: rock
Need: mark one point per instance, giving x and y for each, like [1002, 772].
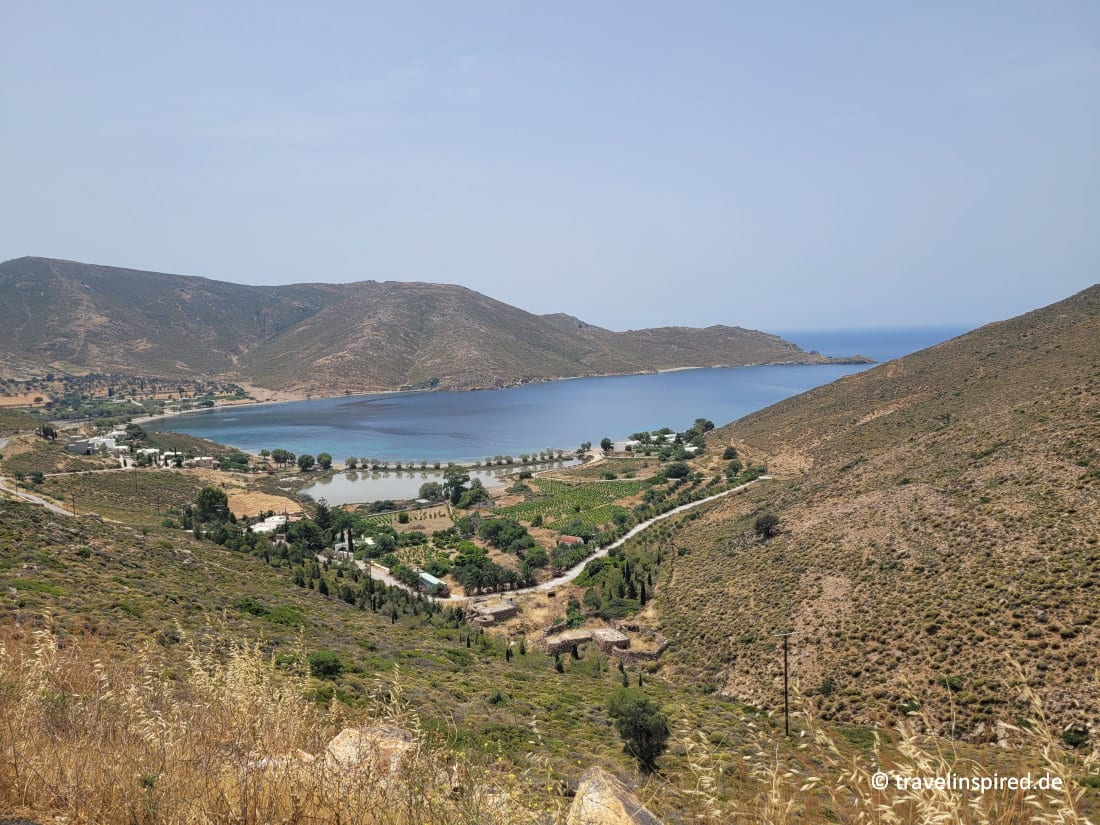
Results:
[604, 800]
[379, 749]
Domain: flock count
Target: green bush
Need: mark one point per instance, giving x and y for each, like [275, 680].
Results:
[325, 664]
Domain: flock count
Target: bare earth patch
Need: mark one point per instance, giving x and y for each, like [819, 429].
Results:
[251, 503]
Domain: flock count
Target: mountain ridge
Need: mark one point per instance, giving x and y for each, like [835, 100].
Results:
[71, 317]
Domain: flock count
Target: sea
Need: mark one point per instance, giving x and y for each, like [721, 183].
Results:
[484, 424]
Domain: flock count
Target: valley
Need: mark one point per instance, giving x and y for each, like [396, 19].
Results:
[925, 530]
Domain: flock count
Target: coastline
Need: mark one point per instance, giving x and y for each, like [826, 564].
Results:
[291, 396]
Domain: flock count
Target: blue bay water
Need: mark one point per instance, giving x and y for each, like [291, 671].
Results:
[469, 426]
[880, 344]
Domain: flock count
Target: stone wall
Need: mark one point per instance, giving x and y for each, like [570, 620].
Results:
[634, 655]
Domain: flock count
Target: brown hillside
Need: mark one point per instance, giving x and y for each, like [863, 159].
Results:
[72, 318]
[939, 525]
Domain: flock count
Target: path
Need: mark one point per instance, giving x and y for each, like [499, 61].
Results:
[33, 499]
[576, 570]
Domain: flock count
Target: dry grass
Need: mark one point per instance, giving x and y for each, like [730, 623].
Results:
[823, 778]
[218, 733]
[209, 736]
[252, 502]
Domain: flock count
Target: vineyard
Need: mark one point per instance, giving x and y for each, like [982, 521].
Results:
[415, 517]
[418, 556]
[594, 504]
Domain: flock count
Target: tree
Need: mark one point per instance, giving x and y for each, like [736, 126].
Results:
[455, 479]
[211, 504]
[305, 462]
[766, 525]
[431, 490]
[48, 431]
[323, 514]
[351, 462]
[476, 493]
[606, 444]
[642, 725]
[37, 477]
[729, 453]
[281, 456]
[325, 460]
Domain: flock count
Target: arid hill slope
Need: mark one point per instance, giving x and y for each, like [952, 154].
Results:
[940, 517]
[68, 317]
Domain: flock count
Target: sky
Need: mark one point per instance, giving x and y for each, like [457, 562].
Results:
[769, 165]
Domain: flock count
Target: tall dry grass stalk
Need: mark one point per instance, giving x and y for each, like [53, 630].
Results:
[211, 737]
[818, 778]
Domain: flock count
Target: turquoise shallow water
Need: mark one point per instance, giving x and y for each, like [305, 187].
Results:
[467, 426]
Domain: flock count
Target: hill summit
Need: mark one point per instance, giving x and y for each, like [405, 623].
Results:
[68, 317]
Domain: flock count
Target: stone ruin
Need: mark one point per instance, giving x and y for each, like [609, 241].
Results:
[611, 640]
[485, 613]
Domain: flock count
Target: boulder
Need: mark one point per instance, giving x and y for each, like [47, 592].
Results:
[604, 800]
[379, 749]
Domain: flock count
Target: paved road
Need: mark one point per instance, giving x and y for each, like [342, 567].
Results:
[573, 572]
[33, 499]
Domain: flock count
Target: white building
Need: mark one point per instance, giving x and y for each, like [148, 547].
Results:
[268, 525]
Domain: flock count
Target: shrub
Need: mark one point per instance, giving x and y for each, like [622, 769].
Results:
[766, 525]
[325, 664]
[677, 469]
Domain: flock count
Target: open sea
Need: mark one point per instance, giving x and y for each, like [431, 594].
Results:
[470, 426]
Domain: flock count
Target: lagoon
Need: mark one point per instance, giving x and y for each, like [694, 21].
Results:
[473, 426]
[358, 486]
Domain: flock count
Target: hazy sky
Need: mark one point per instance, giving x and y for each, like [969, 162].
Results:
[802, 165]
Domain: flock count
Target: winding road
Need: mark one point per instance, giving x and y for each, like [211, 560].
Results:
[382, 574]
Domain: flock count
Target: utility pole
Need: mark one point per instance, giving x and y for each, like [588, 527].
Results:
[74, 503]
[786, 699]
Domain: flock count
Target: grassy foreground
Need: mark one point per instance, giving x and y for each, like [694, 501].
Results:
[218, 733]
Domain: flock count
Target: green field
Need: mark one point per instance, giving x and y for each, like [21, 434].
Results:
[594, 503]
